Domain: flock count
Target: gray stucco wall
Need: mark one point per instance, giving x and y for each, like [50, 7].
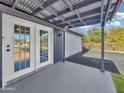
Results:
[0, 49]
[58, 45]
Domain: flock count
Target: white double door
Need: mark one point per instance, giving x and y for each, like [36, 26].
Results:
[26, 47]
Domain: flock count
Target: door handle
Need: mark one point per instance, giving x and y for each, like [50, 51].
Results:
[7, 50]
[7, 45]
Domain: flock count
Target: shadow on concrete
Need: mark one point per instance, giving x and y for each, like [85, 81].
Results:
[92, 62]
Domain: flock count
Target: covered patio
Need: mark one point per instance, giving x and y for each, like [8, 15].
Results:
[64, 14]
[65, 77]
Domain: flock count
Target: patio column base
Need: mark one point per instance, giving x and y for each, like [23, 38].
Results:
[102, 67]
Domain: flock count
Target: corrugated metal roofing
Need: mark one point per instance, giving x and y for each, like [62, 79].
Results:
[73, 2]
[59, 5]
[71, 13]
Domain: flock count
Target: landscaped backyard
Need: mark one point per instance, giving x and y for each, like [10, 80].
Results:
[114, 53]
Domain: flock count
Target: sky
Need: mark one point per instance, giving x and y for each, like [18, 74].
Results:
[117, 21]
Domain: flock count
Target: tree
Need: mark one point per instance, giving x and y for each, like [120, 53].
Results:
[94, 35]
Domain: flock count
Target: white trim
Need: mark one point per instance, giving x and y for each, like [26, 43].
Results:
[8, 34]
[50, 45]
[10, 21]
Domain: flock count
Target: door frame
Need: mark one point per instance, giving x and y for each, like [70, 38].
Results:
[50, 46]
[34, 27]
[8, 68]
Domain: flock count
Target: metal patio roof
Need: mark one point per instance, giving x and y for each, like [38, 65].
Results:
[67, 13]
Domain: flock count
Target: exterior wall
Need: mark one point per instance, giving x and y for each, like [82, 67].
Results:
[73, 44]
[58, 45]
[0, 49]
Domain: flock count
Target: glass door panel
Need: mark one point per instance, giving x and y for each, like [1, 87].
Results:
[27, 47]
[16, 49]
[21, 47]
[43, 46]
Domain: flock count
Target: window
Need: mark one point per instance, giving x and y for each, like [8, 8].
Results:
[43, 46]
[21, 47]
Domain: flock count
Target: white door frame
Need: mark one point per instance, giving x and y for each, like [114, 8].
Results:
[8, 39]
[8, 22]
[50, 45]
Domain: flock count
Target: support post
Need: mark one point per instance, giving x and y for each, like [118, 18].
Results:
[0, 49]
[63, 46]
[102, 49]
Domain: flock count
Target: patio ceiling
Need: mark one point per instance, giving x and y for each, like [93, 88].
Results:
[67, 13]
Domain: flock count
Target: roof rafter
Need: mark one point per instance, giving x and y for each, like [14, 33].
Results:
[77, 6]
[97, 17]
[46, 6]
[51, 10]
[65, 12]
[71, 8]
[14, 3]
[43, 5]
[85, 14]
[87, 19]
[88, 23]
[54, 13]
[80, 24]
[73, 18]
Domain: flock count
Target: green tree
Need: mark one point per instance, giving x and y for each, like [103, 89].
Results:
[116, 38]
[94, 35]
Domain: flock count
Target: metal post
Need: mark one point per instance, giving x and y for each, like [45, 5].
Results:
[102, 49]
[63, 46]
[1, 85]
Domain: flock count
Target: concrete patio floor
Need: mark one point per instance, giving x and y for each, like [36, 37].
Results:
[65, 77]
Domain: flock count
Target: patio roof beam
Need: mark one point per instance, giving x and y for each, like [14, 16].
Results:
[55, 14]
[71, 8]
[71, 19]
[14, 3]
[49, 3]
[43, 5]
[93, 12]
[87, 23]
[25, 16]
[80, 24]
[75, 7]
[36, 11]
[46, 5]
[93, 20]
[87, 19]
